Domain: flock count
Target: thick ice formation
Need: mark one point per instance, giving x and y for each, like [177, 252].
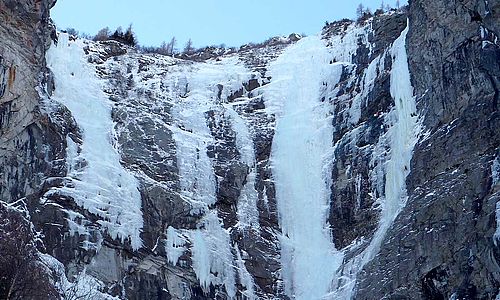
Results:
[301, 146]
[301, 159]
[212, 257]
[102, 186]
[174, 245]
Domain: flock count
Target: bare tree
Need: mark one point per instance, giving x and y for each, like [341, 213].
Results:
[188, 49]
[163, 49]
[23, 275]
[360, 11]
[103, 34]
[397, 4]
[171, 46]
[83, 288]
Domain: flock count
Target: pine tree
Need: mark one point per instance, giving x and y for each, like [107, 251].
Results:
[118, 34]
[360, 10]
[188, 49]
[129, 37]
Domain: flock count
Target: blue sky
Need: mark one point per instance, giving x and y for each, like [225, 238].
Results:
[206, 22]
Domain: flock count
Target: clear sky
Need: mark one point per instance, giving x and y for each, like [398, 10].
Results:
[206, 22]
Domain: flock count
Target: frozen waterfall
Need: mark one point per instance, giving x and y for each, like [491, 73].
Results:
[301, 146]
[99, 183]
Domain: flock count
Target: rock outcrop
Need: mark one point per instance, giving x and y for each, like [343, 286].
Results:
[25, 31]
[443, 244]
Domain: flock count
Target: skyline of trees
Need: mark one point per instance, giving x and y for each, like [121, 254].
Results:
[170, 48]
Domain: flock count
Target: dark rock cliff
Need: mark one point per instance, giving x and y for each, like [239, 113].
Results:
[442, 244]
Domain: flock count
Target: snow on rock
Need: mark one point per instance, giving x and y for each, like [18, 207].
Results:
[346, 44]
[495, 170]
[300, 151]
[197, 89]
[83, 286]
[245, 277]
[368, 79]
[495, 176]
[100, 185]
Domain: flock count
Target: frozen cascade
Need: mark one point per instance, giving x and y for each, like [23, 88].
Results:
[103, 186]
[300, 150]
[246, 278]
[174, 245]
[402, 137]
[194, 91]
[248, 215]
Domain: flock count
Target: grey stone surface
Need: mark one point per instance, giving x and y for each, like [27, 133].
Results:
[441, 245]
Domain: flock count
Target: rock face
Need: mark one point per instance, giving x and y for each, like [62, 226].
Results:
[25, 35]
[32, 148]
[167, 178]
[443, 240]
